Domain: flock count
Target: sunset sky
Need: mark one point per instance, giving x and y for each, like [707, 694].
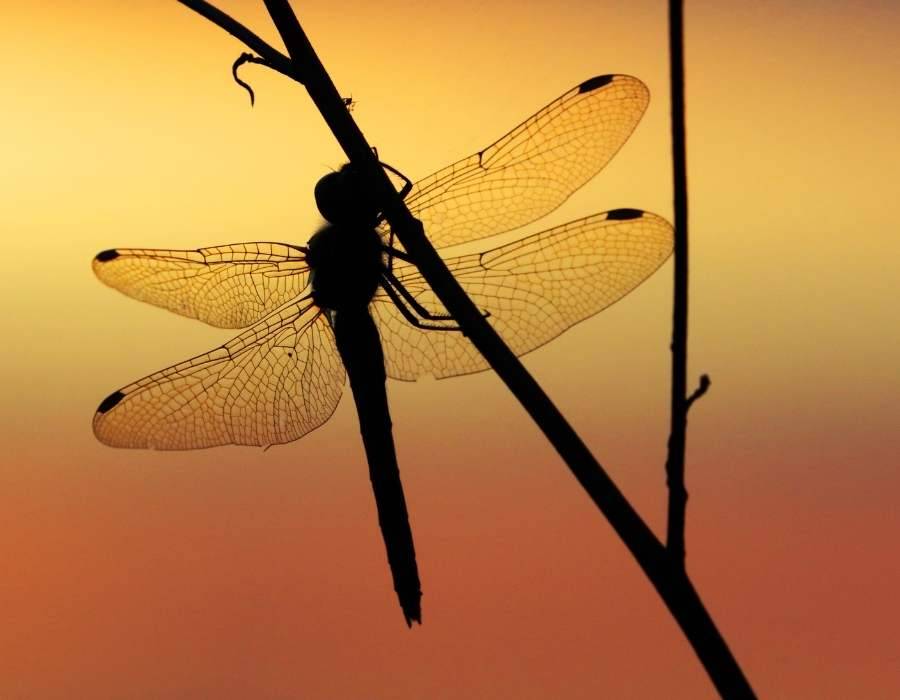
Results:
[242, 573]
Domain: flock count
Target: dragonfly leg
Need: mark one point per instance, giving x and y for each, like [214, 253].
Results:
[419, 309]
[397, 286]
[407, 183]
[393, 252]
[400, 303]
[397, 253]
[407, 188]
[401, 296]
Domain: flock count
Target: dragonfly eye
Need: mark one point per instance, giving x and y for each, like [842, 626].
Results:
[342, 199]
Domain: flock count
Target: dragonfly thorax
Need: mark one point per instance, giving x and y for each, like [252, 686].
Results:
[345, 266]
[345, 256]
[342, 198]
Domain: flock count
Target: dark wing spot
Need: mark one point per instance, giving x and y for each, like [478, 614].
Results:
[624, 214]
[107, 255]
[110, 401]
[597, 81]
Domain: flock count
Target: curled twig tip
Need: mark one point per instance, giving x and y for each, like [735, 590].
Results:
[239, 61]
[705, 383]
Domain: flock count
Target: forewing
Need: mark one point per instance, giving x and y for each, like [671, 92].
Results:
[533, 288]
[535, 167]
[273, 383]
[229, 286]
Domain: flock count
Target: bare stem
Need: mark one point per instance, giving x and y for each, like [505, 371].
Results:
[678, 429]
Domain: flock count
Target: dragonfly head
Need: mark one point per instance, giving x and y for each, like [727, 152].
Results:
[343, 199]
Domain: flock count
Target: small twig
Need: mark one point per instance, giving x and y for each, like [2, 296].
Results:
[241, 60]
[699, 391]
[271, 56]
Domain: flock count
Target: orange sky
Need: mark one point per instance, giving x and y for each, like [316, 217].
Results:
[236, 573]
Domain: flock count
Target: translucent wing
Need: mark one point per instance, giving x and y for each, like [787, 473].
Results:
[534, 288]
[229, 286]
[271, 384]
[535, 167]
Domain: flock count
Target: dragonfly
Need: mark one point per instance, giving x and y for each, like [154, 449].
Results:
[352, 302]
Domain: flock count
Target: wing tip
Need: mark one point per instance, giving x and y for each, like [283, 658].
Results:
[110, 402]
[106, 255]
[624, 214]
[598, 81]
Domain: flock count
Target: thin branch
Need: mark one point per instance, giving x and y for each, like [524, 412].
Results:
[624, 519]
[678, 428]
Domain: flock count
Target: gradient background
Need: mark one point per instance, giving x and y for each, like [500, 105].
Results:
[238, 573]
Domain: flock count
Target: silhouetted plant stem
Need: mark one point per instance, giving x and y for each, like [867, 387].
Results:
[669, 579]
[678, 426]
[728, 678]
[680, 402]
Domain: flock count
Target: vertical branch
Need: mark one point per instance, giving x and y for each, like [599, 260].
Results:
[679, 404]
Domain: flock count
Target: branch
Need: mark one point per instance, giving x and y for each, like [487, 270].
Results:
[678, 426]
[272, 57]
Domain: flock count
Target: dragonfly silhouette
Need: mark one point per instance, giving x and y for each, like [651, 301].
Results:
[307, 308]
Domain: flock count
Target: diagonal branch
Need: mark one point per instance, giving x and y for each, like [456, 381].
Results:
[624, 519]
[669, 579]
